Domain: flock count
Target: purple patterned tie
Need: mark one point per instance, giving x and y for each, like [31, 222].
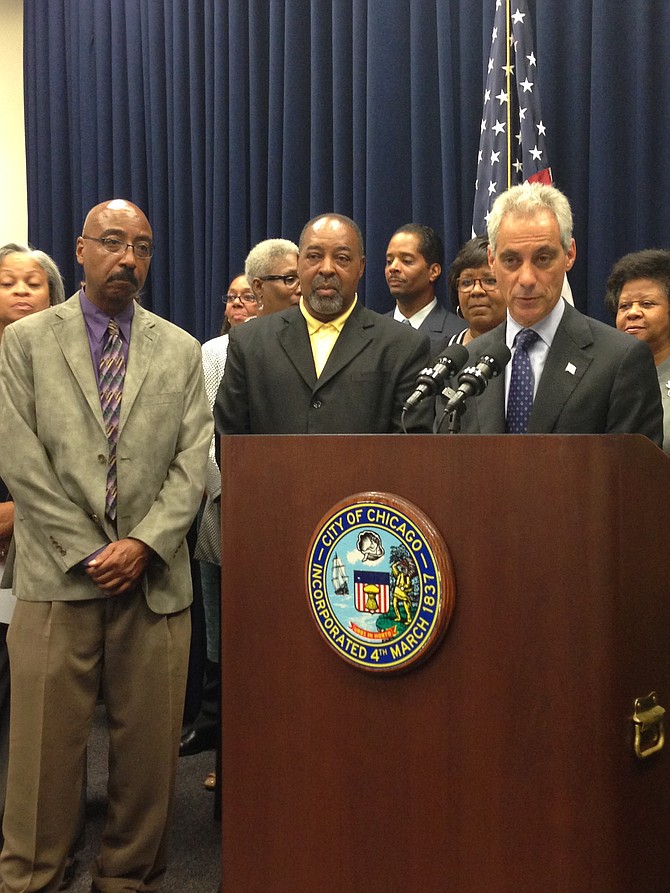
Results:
[520, 397]
[112, 372]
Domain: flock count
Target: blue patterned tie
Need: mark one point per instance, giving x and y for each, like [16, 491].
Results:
[520, 397]
[112, 373]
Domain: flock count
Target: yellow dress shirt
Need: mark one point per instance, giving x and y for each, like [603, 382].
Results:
[323, 335]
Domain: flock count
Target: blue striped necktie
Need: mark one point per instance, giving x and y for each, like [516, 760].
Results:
[112, 373]
[520, 397]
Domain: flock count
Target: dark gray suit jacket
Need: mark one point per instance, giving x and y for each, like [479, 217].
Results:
[270, 385]
[596, 380]
[440, 325]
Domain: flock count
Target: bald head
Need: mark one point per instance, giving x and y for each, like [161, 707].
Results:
[115, 251]
[118, 209]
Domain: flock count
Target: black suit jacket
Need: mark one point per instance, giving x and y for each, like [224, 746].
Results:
[595, 380]
[270, 385]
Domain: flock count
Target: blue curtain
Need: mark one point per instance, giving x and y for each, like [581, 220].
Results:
[229, 122]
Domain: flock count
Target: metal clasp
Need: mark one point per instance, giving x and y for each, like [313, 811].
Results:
[649, 728]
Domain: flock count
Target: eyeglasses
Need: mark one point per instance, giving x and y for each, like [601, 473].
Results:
[488, 283]
[246, 298]
[288, 281]
[141, 249]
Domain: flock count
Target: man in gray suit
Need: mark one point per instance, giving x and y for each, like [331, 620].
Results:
[329, 365]
[102, 571]
[414, 261]
[586, 377]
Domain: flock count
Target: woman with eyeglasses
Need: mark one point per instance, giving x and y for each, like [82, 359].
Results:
[474, 292]
[240, 302]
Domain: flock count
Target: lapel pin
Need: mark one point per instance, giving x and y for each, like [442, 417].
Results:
[667, 384]
[571, 368]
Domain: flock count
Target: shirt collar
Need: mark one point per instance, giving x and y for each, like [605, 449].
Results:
[417, 318]
[97, 320]
[545, 327]
[313, 324]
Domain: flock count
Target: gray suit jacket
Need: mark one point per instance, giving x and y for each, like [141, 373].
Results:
[440, 325]
[53, 454]
[270, 384]
[596, 380]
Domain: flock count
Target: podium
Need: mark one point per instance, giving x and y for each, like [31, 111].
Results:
[504, 762]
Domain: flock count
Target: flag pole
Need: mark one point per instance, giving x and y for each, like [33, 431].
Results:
[508, 44]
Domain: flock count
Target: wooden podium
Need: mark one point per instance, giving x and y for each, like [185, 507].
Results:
[504, 763]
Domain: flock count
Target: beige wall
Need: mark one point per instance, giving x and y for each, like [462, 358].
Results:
[13, 198]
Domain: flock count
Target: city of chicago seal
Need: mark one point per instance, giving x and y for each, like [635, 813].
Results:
[380, 584]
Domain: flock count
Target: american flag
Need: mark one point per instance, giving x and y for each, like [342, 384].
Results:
[512, 145]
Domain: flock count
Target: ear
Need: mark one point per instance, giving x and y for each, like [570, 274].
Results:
[434, 272]
[79, 251]
[571, 255]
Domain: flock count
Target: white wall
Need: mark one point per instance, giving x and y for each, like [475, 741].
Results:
[13, 194]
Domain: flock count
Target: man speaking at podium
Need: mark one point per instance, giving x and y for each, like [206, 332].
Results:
[330, 365]
[569, 374]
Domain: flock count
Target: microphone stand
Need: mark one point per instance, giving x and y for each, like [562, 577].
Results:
[454, 416]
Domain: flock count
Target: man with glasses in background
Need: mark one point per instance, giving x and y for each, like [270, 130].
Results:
[271, 269]
[104, 433]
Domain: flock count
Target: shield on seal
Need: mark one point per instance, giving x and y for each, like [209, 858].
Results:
[371, 592]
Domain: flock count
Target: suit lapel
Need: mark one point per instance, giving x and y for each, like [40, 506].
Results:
[567, 361]
[70, 332]
[294, 339]
[434, 322]
[354, 337]
[143, 339]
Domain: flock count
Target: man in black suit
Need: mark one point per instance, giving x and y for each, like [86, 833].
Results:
[586, 377]
[414, 261]
[329, 365]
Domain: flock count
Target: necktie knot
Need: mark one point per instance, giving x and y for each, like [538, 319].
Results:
[525, 339]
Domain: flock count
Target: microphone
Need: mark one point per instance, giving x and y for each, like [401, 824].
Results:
[430, 379]
[473, 379]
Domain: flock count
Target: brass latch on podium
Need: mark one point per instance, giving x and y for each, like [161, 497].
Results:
[649, 727]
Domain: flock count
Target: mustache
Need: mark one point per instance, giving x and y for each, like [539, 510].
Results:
[321, 281]
[124, 275]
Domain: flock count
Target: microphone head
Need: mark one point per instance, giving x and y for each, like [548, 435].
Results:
[455, 357]
[473, 379]
[497, 356]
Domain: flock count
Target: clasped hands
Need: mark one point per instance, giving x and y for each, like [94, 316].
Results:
[118, 567]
